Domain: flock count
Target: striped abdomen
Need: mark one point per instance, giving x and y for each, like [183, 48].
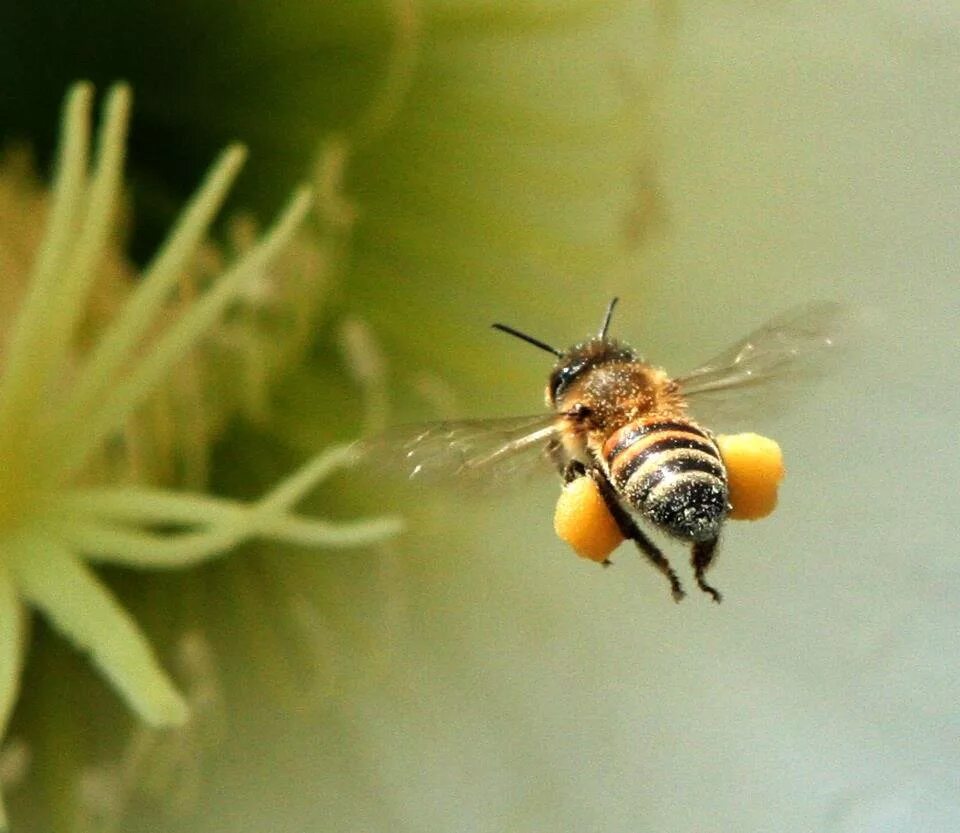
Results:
[670, 471]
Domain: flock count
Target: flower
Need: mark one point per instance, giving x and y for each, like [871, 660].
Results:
[61, 414]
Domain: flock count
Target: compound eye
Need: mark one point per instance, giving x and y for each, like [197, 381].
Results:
[563, 376]
[558, 381]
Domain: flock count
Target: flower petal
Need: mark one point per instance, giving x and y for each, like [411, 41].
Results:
[120, 341]
[100, 519]
[47, 339]
[103, 542]
[71, 597]
[180, 337]
[81, 269]
[18, 387]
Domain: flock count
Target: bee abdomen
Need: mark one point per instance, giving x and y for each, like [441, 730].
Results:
[671, 472]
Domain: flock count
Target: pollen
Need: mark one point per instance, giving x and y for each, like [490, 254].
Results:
[754, 471]
[584, 522]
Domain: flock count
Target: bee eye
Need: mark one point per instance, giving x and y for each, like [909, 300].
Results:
[563, 376]
[558, 381]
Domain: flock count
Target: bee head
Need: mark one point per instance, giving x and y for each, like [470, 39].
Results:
[573, 363]
[579, 360]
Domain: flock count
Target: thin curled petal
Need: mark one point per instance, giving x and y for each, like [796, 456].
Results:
[70, 596]
[17, 386]
[80, 272]
[67, 193]
[68, 299]
[178, 339]
[150, 505]
[314, 533]
[145, 505]
[103, 542]
[119, 342]
[100, 520]
[288, 492]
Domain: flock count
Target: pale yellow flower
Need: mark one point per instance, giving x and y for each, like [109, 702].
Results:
[58, 411]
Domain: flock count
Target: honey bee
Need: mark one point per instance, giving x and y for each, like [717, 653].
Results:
[624, 423]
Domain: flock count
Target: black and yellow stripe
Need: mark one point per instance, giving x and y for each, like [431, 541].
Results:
[671, 472]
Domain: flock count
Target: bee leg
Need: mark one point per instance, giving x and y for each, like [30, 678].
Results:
[573, 470]
[657, 558]
[701, 558]
[568, 468]
[630, 530]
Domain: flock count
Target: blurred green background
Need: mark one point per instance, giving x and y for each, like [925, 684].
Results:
[710, 162]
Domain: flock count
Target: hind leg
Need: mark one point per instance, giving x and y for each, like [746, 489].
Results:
[570, 469]
[701, 557]
[629, 529]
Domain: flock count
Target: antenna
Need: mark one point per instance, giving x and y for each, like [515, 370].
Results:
[606, 318]
[529, 339]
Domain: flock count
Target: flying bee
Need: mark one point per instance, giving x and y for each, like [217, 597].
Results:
[624, 423]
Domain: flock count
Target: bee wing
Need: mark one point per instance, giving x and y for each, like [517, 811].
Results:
[756, 373]
[484, 451]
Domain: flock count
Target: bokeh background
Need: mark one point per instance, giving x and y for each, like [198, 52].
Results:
[710, 162]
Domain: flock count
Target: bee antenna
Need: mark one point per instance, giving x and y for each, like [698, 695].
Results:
[529, 339]
[606, 318]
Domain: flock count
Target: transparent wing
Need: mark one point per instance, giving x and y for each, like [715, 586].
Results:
[478, 452]
[759, 373]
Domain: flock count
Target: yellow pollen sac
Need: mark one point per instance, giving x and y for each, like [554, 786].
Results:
[754, 471]
[584, 522]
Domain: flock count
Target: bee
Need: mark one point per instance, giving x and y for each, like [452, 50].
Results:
[628, 425]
